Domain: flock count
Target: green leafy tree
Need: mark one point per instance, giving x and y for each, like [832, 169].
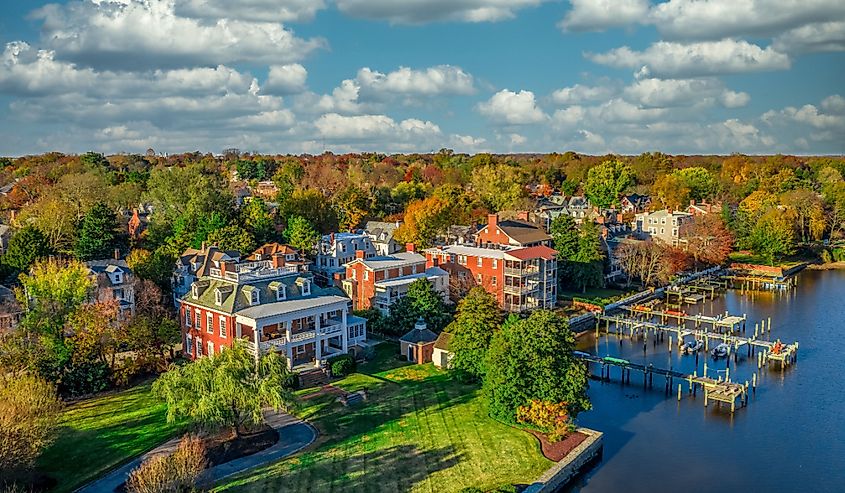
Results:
[774, 235]
[699, 181]
[233, 237]
[313, 206]
[477, 319]
[531, 359]
[207, 225]
[154, 266]
[428, 304]
[566, 237]
[256, 219]
[301, 235]
[352, 204]
[50, 292]
[499, 187]
[230, 389]
[587, 266]
[25, 247]
[97, 233]
[606, 182]
[94, 160]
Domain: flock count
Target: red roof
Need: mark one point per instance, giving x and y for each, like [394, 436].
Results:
[540, 251]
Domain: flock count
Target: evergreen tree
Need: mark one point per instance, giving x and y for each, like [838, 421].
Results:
[301, 235]
[25, 247]
[587, 266]
[97, 233]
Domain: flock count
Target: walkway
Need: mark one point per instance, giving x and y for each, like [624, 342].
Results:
[294, 435]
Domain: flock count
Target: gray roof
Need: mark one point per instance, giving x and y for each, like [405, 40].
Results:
[419, 336]
[290, 306]
[381, 231]
[391, 261]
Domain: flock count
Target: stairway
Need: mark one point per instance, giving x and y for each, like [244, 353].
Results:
[312, 378]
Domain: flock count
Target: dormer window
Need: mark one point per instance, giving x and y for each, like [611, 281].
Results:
[117, 278]
[304, 286]
[279, 289]
[254, 297]
[195, 291]
[218, 297]
[258, 257]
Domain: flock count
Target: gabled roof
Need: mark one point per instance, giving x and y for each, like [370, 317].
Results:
[523, 232]
[419, 336]
[380, 231]
[443, 341]
[270, 249]
[238, 297]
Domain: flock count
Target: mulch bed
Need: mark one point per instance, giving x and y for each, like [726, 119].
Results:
[557, 451]
[326, 389]
[223, 448]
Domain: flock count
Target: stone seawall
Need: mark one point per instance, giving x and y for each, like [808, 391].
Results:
[575, 461]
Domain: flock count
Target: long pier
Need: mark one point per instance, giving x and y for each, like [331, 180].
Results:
[714, 389]
[786, 354]
[729, 322]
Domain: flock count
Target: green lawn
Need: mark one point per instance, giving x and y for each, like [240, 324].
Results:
[419, 431]
[599, 296]
[100, 433]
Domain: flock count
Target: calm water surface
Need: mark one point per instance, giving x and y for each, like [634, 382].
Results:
[790, 438]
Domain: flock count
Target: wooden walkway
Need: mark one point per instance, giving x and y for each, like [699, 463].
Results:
[717, 390]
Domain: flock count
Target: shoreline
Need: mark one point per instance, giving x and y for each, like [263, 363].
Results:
[829, 266]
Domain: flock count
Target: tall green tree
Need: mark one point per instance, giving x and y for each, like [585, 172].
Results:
[25, 247]
[774, 235]
[50, 292]
[532, 359]
[97, 233]
[301, 235]
[255, 217]
[566, 236]
[606, 182]
[422, 300]
[229, 389]
[587, 267]
[477, 319]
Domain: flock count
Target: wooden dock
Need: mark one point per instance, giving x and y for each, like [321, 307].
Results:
[729, 322]
[718, 390]
[786, 354]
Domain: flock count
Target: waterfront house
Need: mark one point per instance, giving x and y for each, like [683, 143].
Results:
[271, 309]
[663, 225]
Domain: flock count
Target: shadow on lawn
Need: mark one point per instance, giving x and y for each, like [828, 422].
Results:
[395, 469]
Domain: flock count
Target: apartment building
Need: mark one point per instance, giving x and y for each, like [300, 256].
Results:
[511, 233]
[663, 225]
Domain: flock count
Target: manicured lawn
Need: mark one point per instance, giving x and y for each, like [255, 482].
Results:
[600, 296]
[103, 432]
[419, 431]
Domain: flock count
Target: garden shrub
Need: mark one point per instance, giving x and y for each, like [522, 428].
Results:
[342, 365]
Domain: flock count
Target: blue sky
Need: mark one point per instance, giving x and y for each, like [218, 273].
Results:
[626, 76]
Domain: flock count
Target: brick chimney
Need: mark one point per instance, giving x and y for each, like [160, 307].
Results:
[492, 221]
[360, 254]
[692, 202]
[409, 247]
[117, 253]
[278, 260]
[522, 215]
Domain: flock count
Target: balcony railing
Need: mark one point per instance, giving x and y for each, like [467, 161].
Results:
[524, 289]
[526, 271]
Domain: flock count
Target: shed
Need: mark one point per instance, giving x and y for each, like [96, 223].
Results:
[418, 344]
[442, 356]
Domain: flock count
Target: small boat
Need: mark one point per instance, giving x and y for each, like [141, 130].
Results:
[720, 351]
[691, 347]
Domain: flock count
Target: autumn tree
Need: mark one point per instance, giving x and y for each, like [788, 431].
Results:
[353, 204]
[29, 414]
[177, 471]
[645, 260]
[606, 182]
[230, 389]
[256, 220]
[50, 292]
[707, 239]
[774, 235]
[671, 191]
[477, 319]
[499, 187]
[531, 359]
[424, 220]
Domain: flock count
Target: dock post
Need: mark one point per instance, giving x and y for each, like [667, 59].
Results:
[705, 369]
[670, 344]
[754, 382]
[679, 392]
[705, 396]
[770, 325]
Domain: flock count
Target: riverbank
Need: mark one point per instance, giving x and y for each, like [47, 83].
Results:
[575, 462]
[827, 266]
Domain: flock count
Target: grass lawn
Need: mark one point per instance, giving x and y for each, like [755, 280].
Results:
[419, 431]
[100, 433]
[785, 263]
[600, 296]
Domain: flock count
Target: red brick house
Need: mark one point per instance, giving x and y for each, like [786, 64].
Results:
[377, 282]
[511, 232]
[418, 344]
[520, 278]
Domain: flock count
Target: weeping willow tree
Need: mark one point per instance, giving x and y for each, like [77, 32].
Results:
[227, 390]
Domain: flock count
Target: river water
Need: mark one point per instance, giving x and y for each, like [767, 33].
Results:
[790, 437]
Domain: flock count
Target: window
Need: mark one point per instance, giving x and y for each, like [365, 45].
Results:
[187, 317]
[224, 330]
[495, 263]
[195, 291]
[253, 297]
[210, 346]
[462, 260]
[479, 262]
[218, 297]
[280, 293]
[199, 348]
[306, 288]
[118, 294]
[197, 319]
[300, 350]
[117, 278]
[662, 230]
[479, 278]
[493, 281]
[189, 345]
[366, 277]
[209, 323]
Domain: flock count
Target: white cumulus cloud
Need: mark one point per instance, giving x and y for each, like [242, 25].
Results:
[513, 108]
[252, 10]
[598, 15]
[424, 11]
[285, 79]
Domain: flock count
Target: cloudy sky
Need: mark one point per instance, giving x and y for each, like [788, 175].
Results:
[291, 76]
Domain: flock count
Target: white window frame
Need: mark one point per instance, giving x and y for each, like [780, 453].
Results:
[210, 347]
[224, 327]
[198, 343]
[479, 278]
[493, 281]
[281, 293]
[480, 262]
[188, 317]
[495, 263]
[189, 344]
[366, 275]
[218, 297]
[254, 297]
[306, 288]
[209, 322]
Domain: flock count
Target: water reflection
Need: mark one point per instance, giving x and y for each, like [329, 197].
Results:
[790, 437]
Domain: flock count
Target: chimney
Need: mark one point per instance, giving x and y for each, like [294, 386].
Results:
[117, 253]
[278, 260]
[522, 215]
[492, 220]
[692, 202]
[331, 238]
[360, 254]
[409, 247]
[619, 218]
[204, 246]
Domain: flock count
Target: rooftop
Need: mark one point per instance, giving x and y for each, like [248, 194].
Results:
[390, 261]
[290, 306]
